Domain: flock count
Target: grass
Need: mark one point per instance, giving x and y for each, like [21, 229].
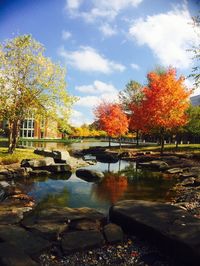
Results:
[17, 156]
[50, 140]
[194, 148]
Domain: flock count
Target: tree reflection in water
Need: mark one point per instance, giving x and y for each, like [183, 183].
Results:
[111, 188]
[57, 200]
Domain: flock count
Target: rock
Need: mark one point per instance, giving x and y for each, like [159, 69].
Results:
[48, 230]
[80, 240]
[188, 181]
[89, 175]
[186, 175]
[57, 168]
[61, 156]
[174, 170]
[159, 165]
[113, 233]
[37, 163]
[9, 216]
[11, 255]
[21, 172]
[107, 158]
[173, 229]
[40, 173]
[4, 184]
[85, 224]
[20, 238]
[5, 173]
[61, 215]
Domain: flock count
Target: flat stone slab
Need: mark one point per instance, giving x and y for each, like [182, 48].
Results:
[173, 229]
[80, 240]
[23, 240]
[11, 255]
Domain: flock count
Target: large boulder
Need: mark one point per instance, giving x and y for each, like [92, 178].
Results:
[113, 233]
[37, 163]
[107, 157]
[80, 240]
[168, 226]
[89, 175]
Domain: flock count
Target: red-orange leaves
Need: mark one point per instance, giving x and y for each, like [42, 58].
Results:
[111, 119]
[165, 101]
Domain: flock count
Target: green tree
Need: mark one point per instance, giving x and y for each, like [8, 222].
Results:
[193, 126]
[29, 83]
[131, 93]
[196, 53]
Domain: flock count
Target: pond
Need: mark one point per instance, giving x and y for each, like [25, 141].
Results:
[122, 180]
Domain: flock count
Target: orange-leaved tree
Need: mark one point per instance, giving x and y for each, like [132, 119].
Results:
[112, 119]
[165, 102]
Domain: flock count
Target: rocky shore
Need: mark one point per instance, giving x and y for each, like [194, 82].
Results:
[84, 236]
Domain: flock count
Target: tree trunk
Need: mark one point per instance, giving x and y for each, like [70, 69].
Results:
[120, 142]
[109, 141]
[13, 135]
[161, 141]
[177, 140]
[137, 137]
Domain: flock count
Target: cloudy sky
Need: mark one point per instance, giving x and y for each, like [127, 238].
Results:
[105, 43]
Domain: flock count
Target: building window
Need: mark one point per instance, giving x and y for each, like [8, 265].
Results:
[27, 128]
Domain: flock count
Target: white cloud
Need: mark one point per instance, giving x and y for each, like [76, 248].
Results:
[107, 30]
[92, 101]
[89, 60]
[135, 66]
[73, 4]
[168, 35]
[87, 101]
[78, 119]
[101, 9]
[66, 35]
[116, 5]
[98, 87]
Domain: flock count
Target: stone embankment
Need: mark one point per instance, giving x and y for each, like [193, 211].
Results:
[172, 229]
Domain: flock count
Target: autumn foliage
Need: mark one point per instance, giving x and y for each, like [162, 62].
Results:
[164, 104]
[111, 119]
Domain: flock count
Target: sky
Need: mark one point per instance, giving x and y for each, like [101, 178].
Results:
[103, 44]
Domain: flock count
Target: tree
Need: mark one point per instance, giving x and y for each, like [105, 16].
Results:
[196, 52]
[130, 98]
[193, 126]
[29, 83]
[165, 102]
[111, 119]
[131, 94]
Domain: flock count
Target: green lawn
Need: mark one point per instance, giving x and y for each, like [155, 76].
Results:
[17, 156]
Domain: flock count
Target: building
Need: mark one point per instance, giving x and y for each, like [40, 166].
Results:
[37, 129]
[195, 100]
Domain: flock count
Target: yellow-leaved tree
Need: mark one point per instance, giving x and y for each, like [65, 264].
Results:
[30, 82]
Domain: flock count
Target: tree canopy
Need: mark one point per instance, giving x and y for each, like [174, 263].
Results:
[111, 119]
[30, 82]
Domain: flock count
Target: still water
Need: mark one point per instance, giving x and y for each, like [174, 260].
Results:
[122, 180]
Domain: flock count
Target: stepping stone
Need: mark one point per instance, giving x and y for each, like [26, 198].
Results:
[171, 228]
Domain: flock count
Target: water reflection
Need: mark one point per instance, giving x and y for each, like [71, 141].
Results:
[122, 180]
[111, 188]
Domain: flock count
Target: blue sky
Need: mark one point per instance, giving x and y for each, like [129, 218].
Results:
[105, 43]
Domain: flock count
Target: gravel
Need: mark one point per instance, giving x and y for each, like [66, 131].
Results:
[133, 251]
